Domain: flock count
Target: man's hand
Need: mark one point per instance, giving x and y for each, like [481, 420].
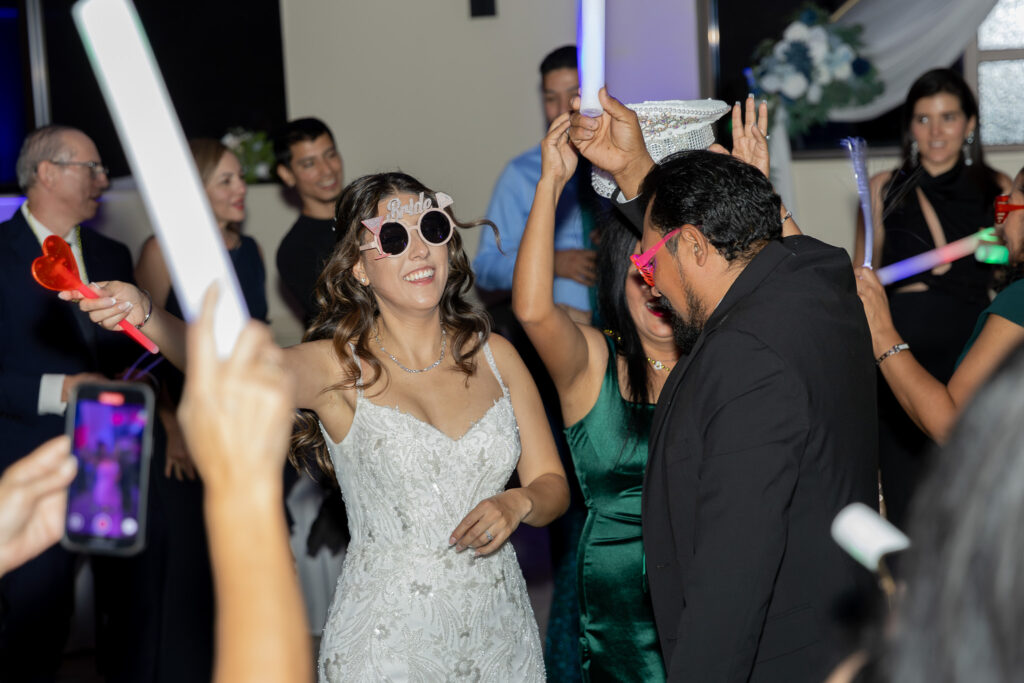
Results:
[612, 141]
[577, 264]
[749, 136]
[33, 499]
[236, 414]
[72, 381]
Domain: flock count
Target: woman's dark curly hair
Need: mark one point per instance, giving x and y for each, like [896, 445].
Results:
[347, 310]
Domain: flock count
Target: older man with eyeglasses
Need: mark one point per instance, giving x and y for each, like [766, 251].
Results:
[46, 348]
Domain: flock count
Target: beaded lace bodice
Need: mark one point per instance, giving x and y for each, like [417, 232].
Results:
[407, 606]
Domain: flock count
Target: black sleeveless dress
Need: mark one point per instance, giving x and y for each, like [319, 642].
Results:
[937, 322]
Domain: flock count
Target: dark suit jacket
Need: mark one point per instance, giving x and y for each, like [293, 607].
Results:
[40, 334]
[760, 437]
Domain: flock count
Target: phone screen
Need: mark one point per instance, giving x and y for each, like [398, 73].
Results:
[110, 436]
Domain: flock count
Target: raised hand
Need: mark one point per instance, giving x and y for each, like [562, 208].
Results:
[557, 155]
[237, 413]
[612, 141]
[876, 309]
[749, 135]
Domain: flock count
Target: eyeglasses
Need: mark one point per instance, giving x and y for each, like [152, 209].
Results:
[1004, 207]
[645, 262]
[392, 238]
[95, 167]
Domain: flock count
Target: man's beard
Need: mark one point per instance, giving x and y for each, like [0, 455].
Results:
[686, 332]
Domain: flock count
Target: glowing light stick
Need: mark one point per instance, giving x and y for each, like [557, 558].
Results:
[57, 269]
[983, 244]
[857, 148]
[867, 538]
[590, 39]
[161, 163]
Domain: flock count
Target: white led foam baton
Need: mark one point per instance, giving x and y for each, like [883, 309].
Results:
[155, 146]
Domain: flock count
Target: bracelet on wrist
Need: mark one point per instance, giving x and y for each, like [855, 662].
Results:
[149, 311]
[902, 346]
[789, 214]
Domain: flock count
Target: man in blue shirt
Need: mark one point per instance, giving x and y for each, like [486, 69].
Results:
[513, 196]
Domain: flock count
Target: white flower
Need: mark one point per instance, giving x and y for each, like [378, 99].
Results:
[842, 72]
[771, 82]
[814, 93]
[794, 85]
[817, 43]
[262, 170]
[798, 30]
[230, 140]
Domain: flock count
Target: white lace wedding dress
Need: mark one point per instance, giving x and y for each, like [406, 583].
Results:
[407, 606]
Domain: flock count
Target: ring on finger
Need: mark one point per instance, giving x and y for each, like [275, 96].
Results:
[487, 533]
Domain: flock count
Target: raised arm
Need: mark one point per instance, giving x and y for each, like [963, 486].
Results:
[544, 493]
[932, 405]
[562, 344]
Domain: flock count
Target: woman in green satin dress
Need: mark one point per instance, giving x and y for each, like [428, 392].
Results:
[607, 386]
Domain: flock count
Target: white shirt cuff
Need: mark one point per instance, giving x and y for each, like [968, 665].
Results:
[620, 197]
[50, 388]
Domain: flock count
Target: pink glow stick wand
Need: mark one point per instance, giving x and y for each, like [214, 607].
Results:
[965, 246]
[56, 269]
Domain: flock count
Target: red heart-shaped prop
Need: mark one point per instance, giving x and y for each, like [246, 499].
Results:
[56, 269]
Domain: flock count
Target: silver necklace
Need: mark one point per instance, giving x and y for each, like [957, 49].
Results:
[444, 339]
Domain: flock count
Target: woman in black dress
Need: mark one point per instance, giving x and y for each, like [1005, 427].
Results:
[942, 191]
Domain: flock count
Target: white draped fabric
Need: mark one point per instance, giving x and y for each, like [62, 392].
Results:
[905, 38]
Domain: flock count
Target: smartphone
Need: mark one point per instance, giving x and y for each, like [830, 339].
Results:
[111, 429]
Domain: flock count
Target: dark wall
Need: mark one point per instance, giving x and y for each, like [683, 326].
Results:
[222, 62]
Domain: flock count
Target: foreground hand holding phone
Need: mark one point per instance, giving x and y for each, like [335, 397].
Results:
[237, 418]
[33, 495]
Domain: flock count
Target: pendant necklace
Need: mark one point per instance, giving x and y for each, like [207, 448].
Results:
[657, 364]
[444, 339]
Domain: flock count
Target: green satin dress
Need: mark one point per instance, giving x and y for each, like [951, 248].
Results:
[618, 641]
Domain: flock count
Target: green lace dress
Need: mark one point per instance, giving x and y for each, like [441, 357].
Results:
[618, 641]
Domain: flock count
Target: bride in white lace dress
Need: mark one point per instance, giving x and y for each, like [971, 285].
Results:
[423, 418]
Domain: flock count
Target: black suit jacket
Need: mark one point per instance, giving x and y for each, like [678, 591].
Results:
[41, 334]
[760, 437]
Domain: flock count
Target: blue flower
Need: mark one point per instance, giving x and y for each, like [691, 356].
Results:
[800, 57]
[861, 66]
[809, 17]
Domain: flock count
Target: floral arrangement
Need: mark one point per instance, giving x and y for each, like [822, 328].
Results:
[255, 152]
[814, 68]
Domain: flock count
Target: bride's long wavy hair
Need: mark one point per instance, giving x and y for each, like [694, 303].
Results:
[347, 310]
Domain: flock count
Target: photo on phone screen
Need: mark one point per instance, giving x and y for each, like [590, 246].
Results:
[110, 426]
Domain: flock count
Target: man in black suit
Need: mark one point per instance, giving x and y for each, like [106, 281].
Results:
[762, 434]
[46, 348]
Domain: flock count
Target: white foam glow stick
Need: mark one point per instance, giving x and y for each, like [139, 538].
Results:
[590, 42]
[866, 536]
[151, 135]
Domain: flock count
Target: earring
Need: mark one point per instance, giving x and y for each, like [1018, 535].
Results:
[968, 159]
[914, 151]
[363, 280]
